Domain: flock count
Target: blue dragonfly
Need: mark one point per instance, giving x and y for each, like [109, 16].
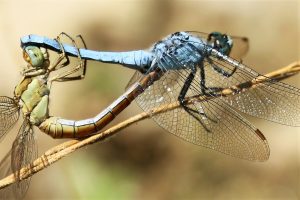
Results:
[203, 73]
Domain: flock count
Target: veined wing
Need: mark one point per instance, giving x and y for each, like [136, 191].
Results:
[9, 114]
[271, 100]
[216, 125]
[24, 151]
[135, 77]
[240, 44]
[5, 170]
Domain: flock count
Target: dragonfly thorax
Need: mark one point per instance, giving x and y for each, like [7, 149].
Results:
[33, 97]
[179, 50]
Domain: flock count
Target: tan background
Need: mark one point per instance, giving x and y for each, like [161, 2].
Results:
[144, 161]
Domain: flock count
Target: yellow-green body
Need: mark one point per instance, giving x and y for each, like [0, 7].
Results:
[33, 96]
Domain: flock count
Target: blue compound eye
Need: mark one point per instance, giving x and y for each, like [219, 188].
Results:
[220, 42]
[34, 56]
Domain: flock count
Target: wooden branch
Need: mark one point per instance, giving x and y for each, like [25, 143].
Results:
[56, 153]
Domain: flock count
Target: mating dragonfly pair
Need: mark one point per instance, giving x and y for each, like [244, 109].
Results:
[191, 71]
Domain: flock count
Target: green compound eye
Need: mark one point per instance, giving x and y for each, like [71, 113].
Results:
[34, 56]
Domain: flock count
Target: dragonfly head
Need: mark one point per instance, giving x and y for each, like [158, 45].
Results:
[221, 42]
[37, 57]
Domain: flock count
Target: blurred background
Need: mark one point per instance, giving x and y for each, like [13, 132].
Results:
[144, 161]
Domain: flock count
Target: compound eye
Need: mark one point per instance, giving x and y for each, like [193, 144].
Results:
[26, 57]
[215, 42]
[34, 56]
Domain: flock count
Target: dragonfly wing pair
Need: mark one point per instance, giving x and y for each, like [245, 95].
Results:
[216, 123]
[23, 152]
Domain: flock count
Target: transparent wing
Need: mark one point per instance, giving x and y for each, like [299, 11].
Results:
[5, 170]
[215, 125]
[24, 151]
[240, 47]
[274, 101]
[240, 44]
[9, 114]
[135, 77]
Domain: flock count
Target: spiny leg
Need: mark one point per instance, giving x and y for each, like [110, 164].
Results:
[208, 91]
[194, 113]
[220, 70]
[181, 98]
[212, 90]
[82, 64]
[58, 63]
[33, 72]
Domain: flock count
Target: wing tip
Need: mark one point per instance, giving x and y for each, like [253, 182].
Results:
[245, 39]
[260, 134]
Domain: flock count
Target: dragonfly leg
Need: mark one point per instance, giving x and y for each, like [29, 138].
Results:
[220, 70]
[33, 72]
[82, 65]
[62, 60]
[182, 95]
[208, 91]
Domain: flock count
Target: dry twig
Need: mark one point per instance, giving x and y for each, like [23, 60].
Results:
[56, 153]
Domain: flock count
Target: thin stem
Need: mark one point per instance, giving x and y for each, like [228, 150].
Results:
[56, 153]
